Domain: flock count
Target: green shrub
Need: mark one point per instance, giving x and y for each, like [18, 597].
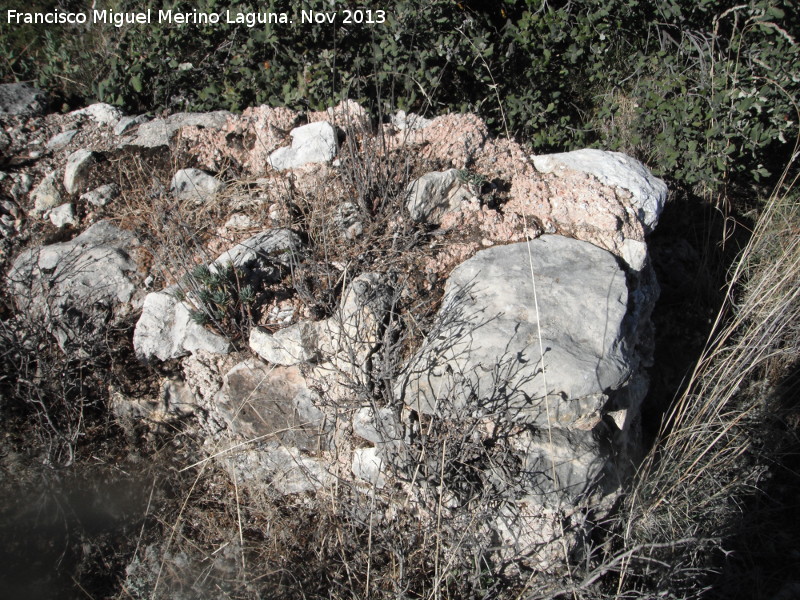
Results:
[703, 92]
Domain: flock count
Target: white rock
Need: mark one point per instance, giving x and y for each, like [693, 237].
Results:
[125, 124]
[261, 251]
[159, 132]
[618, 170]
[291, 345]
[102, 195]
[166, 330]
[100, 112]
[239, 222]
[194, 185]
[410, 121]
[46, 196]
[434, 195]
[77, 170]
[368, 465]
[61, 140]
[312, 143]
[382, 429]
[76, 286]
[63, 215]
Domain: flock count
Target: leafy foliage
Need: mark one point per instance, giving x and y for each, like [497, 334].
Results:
[702, 91]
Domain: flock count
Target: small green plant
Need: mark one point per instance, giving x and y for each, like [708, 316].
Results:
[218, 297]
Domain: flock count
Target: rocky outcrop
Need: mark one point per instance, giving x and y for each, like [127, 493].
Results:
[391, 320]
[21, 99]
[313, 143]
[76, 287]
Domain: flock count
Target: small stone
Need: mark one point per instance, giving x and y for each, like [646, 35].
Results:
[63, 215]
[100, 112]
[77, 170]
[239, 222]
[368, 466]
[125, 124]
[61, 140]
[46, 195]
[292, 345]
[102, 195]
[313, 143]
[195, 185]
[22, 185]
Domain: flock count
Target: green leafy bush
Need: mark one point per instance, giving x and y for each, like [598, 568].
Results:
[704, 92]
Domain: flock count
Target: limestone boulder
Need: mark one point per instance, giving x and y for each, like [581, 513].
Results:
[312, 143]
[272, 403]
[166, 330]
[432, 196]
[484, 355]
[160, 132]
[76, 170]
[76, 287]
[615, 169]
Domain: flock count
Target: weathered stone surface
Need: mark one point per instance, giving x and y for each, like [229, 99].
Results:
[76, 286]
[291, 345]
[77, 170]
[159, 132]
[46, 195]
[166, 330]
[377, 428]
[274, 404]
[411, 121]
[484, 356]
[262, 252]
[368, 465]
[100, 112]
[280, 469]
[63, 215]
[61, 140]
[435, 194]
[618, 170]
[126, 124]
[194, 185]
[21, 99]
[102, 195]
[313, 143]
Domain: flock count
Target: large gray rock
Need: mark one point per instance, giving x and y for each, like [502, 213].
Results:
[312, 143]
[166, 330]
[76, 286]
[434, 195]
[483, 356]
[618, 170]
[21, 99]
[159, 132]
[194, 185]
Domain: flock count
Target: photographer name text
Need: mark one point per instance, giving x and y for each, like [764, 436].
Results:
[195, 17]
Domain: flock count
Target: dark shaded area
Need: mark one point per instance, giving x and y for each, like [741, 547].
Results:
[762, 558]
[692, 250]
